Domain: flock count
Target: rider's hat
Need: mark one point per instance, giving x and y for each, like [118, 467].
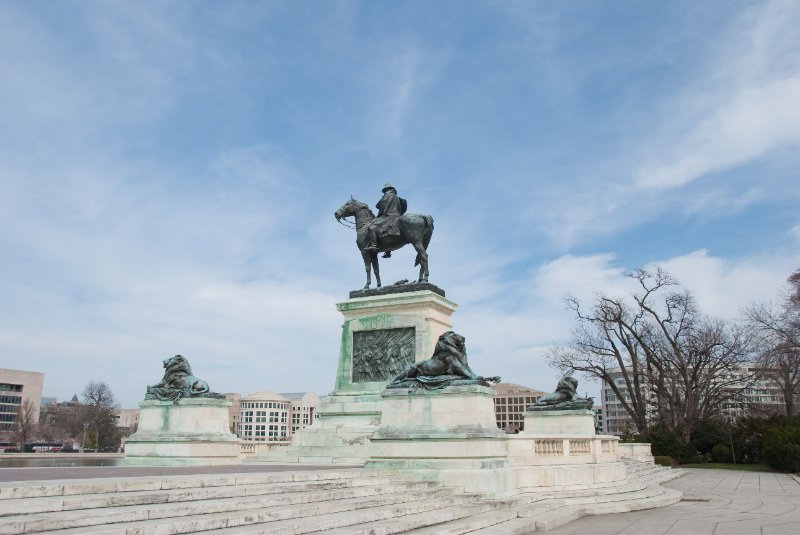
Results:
[387, 187]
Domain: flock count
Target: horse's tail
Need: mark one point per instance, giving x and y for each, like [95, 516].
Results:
[426, 237]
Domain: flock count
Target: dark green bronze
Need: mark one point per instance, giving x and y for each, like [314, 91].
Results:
[398, 288]
[381, 354]
[564, 398]
[391, 230]
[179, 382]
[447, 367]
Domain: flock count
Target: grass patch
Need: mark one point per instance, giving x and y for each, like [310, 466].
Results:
[731, 466]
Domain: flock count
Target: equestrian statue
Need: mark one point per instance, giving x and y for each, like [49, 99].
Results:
[389, 231]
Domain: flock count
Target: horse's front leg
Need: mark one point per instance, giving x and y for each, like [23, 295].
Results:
[366, 257]
[423, 262]
[376, 269]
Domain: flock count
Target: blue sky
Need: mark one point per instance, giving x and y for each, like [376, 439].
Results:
[169, 173]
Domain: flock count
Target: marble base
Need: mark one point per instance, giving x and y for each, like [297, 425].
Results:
[192, 432]
[350, 415]
[571, 422]
[449, 435]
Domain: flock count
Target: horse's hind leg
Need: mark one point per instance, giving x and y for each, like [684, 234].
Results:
[423, 261]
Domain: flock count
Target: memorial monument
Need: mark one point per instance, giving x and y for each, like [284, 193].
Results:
[182, 422]
[384, 331]
[406, 398]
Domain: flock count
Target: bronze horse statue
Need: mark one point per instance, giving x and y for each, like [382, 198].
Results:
[414, 229]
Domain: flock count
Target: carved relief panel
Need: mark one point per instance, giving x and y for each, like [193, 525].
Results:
[381, 355]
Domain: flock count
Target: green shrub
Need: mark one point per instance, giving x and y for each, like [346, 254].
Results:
[707, 434]
[668, 443]
[781, 446]
[721, 453]
[663, 460]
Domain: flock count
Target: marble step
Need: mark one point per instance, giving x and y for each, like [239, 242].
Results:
[33, 489]
[317, 518]
[449, 520]
[628, 486]
[563, 515]
[292, 503]
[117, 499]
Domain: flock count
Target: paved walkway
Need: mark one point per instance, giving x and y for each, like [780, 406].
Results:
[718, 502]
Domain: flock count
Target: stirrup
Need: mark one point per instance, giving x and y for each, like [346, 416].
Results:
[387, 254]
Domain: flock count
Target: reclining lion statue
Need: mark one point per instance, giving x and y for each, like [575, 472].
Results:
[564, 398]
[179, 382]
[448, 366]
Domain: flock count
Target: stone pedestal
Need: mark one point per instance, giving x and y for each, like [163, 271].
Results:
[570, 422]
[193, 431]
[381, 335]
[449, 435]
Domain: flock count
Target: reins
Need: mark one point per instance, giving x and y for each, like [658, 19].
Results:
[348, 223]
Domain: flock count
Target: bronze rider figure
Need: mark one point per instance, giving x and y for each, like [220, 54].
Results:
[390, 208]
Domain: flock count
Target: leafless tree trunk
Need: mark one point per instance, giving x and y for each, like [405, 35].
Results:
[101, 408]
[26, 424]
[776, 332]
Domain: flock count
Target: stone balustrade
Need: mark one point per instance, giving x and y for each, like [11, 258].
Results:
[636, 451]
[248, 448]
[562, 449]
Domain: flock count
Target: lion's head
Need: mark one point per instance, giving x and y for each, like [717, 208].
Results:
[453, 344]
[177, 364]
[568, 386]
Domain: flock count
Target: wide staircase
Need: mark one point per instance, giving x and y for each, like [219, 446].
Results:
[340, 502]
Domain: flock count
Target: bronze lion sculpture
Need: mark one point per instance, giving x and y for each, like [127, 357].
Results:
[448, 366]
[179, 382]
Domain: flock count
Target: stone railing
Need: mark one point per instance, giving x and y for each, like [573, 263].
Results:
[559, 449]
[549, 447]
[249, 448]
[637, 451]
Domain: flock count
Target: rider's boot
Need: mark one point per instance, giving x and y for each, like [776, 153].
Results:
[387, 254]
[371, 241]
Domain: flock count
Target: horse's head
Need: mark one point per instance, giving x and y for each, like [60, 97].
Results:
[349, 208]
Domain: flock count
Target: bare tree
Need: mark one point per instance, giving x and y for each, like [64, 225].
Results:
[606, 343]
[776, 332]
[676, 365]
[99, 394]
[101, 407]
[26, 424]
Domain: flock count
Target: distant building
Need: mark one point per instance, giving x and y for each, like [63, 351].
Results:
[598, 420]
[264, 417]
[304, 409]
[269, 417]
[17, 387]
[615, 418]
[233, 410]
[128, 420]
[759, 395]
[510, 402]
[47, 401]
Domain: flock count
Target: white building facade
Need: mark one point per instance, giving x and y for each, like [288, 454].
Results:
[270, 417]
[758, 395]
[510, 402]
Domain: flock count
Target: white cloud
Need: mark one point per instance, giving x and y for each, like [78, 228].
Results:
[724, 287]
[737, 107]
[746, 106]
[747, 125]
